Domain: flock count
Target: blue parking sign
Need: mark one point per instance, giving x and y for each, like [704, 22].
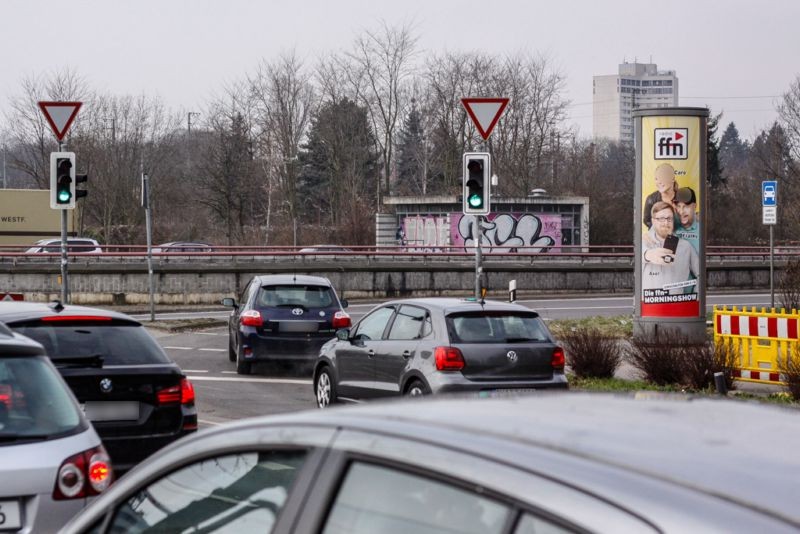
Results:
[769, 193]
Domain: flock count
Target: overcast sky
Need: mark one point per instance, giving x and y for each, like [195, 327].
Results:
[736, 56]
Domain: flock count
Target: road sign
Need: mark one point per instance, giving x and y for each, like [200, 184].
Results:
[769, 193]
[60, 116]
[11, 296]
[769, 215]
[484, 112]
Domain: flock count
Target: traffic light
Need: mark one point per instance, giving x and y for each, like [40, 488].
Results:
[80, 179]
[62, 180]
[477, 182]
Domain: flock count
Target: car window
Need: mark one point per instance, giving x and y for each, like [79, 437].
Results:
[33, 400]
[379, 499]
[117, 344]
[245, 293]
[536, 525]
[373, 325]
[407, 323]
[496, 327]
[307, 296]
[239, 493]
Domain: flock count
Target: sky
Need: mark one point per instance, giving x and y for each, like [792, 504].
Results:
[733, 56]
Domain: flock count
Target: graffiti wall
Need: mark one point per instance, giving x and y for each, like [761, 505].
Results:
[506, 232]
[426, 232]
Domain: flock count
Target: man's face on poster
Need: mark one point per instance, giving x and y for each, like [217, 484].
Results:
[663, 222]
[665, 178]
[686, 213]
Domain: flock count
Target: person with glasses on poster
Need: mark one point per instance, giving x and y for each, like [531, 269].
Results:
[670, 264]
[666, 189]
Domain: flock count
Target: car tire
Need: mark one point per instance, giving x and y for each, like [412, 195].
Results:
[231, 350]
[324, 388]
[416, 388]
[242, 367]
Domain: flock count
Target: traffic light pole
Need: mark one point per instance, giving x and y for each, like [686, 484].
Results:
[478, 268]
[64, 266]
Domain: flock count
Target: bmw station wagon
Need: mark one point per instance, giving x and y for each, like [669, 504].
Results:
[283, 318]
[137, 398]
[437, 345]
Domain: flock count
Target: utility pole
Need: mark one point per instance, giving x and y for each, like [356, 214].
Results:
[189, 120]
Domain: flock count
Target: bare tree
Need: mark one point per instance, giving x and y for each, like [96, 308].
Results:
[789, 110]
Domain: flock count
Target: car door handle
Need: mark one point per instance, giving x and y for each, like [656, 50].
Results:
[406, 354]
[370, 353]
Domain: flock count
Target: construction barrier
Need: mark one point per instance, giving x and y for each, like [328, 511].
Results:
[762, 340]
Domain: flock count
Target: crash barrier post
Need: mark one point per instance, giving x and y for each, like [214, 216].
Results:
[761, 340]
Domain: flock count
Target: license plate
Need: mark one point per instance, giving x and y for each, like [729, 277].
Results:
[298, 327]
[9, 515]
[111, 410]
[507, 392]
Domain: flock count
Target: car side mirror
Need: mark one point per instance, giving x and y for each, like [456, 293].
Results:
[229, 303]
[344, 303]
[343, 334]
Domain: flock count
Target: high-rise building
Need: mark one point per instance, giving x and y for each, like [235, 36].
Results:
[638, 85]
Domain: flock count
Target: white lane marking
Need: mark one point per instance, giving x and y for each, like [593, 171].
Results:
[257, 380]
[214, 423]
[194, 370]
[179, 348]
[589, 308]
[213, 350]
[229, 372]
[210, 333]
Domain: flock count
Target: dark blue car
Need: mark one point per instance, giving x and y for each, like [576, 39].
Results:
[283, 318]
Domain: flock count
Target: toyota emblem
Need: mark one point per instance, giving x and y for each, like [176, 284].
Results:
[297, 311]
[512, 356]
[106, 386]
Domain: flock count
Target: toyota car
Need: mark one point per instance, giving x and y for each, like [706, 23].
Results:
[283, 318]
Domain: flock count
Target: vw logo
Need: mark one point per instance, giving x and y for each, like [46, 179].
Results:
[297, 311]
[106, 386]
[512, 356]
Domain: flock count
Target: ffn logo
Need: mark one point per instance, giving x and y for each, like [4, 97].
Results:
[671, 143]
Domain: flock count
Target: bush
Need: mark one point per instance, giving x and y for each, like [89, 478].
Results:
[660, 358]
[702, 362]
[789, 367]
[590, 353]
[789, 286]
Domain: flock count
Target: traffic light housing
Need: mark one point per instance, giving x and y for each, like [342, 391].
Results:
[62, 180]
[477, 183]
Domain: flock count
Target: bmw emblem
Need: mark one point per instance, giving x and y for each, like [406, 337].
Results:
[512, 356]
[106, 386]
[297, 311]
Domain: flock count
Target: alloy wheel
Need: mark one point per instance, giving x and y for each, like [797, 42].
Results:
[323, 390]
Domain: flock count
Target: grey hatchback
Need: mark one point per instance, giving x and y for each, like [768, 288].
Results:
[437, 345]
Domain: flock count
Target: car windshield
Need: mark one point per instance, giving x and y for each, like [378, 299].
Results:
[94, 344]
[34, 402]
[496, 327]
[306, 296]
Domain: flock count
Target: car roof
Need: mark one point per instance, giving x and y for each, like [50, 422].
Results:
[12, 344]
[452, 304]
[24, 311]
[289, 279]
[741, 451]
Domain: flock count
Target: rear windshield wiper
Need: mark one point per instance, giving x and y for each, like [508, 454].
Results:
[12, 438]
[94, 360]
[520, 339]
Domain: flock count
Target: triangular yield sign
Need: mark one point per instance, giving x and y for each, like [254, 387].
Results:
[7, 297]
[60, 115]
[485, 112]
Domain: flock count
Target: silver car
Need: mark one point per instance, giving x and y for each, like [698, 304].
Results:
[438, 345]
[543, 463]
[52, 462]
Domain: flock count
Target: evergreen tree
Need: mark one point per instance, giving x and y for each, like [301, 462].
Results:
[732, 151]
[714, 167]
[411, 156]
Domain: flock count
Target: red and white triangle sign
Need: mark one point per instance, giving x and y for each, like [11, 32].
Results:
[60, 116]
[485, 112]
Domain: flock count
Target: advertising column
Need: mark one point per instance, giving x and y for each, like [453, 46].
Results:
[669, 225]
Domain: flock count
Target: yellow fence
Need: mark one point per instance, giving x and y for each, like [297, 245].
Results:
[763, 340]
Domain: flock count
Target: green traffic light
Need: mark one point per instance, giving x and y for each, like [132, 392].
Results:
[64, 196]
[475, 200]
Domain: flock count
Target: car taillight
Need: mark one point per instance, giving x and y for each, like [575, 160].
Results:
[5, 395]
[251, 318]
[183, 393]
[448, 359]
[84, 474]
[557, 361]
[341, 320]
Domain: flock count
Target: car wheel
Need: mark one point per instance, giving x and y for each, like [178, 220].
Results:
[416, 388]
[231, 350]
[325, 388]
[242, 367]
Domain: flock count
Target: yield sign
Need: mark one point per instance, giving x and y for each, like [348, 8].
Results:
[60, 115]
[485, 112]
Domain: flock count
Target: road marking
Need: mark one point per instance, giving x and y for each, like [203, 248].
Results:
[229, 372]
[213, 350]
[257, 380]
[211, 333]
[214, 423]
[179, 348]
[194, 370]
